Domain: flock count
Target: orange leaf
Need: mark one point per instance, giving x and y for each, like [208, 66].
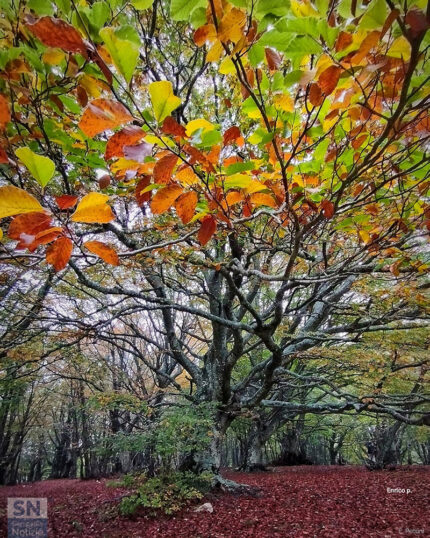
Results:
[165, 198]
[58, 254]
[29, 224]
[207, 229]
[142, 197]
[203, 34]
[103, 114]
[232, 134]
[45, 237]
[329, 78]
[164, 168]
[172, 127]
[185, 206]
[128, 136]
[103, 251]
[231, 25]
[327, 209]
[390, 19]
[57, 33]
[259, 198]
[232, 198]
[4, 110]
[66, 201]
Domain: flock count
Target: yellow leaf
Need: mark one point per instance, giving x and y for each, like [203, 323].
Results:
[284, 102]
[14, 201]
[401, 48]
[162, 98]
[364, 236]
[303, 9]
[214, 53]
[227, 66]
[199, 124]
[93, 208]
[53, 56]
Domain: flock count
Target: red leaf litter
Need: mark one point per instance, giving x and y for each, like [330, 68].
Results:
[331, 502]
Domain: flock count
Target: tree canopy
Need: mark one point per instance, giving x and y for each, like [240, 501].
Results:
[232, 195]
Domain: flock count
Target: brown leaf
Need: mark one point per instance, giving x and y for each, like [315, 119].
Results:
[172, 127]
[328, 79]
[65, 201]
[327, 209]
[103, 114]
[127, 136]
[143, 197]
[273, 59]
[4, 110]
[207, 229]
[103, 251]
[104, 181]
[344, 39]
[315, 94]
[82, 96]
[163, 169]
[165, 198]
[57, 33]
[58, 254]
[185, 206]
[232, 134]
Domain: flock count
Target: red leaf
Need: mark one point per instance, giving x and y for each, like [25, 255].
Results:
[172, 127]
[207, 229]
[24, 228]
[66, 201]
[232, 134]
[163, 169]
[57, 33]
[327, 209]
[58, 254]
[417, 21]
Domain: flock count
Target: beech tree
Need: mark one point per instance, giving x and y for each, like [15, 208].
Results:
[252, 177]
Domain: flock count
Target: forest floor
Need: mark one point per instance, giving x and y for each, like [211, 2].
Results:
[300, 501]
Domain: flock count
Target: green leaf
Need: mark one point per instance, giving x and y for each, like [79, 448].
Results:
[256, 55]
[375, 15]
[41, 168]
[142, 4]
[180, 10]
[162, 98]
[277, 40]
[239, 167]
[124, 52]
[275, 7]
